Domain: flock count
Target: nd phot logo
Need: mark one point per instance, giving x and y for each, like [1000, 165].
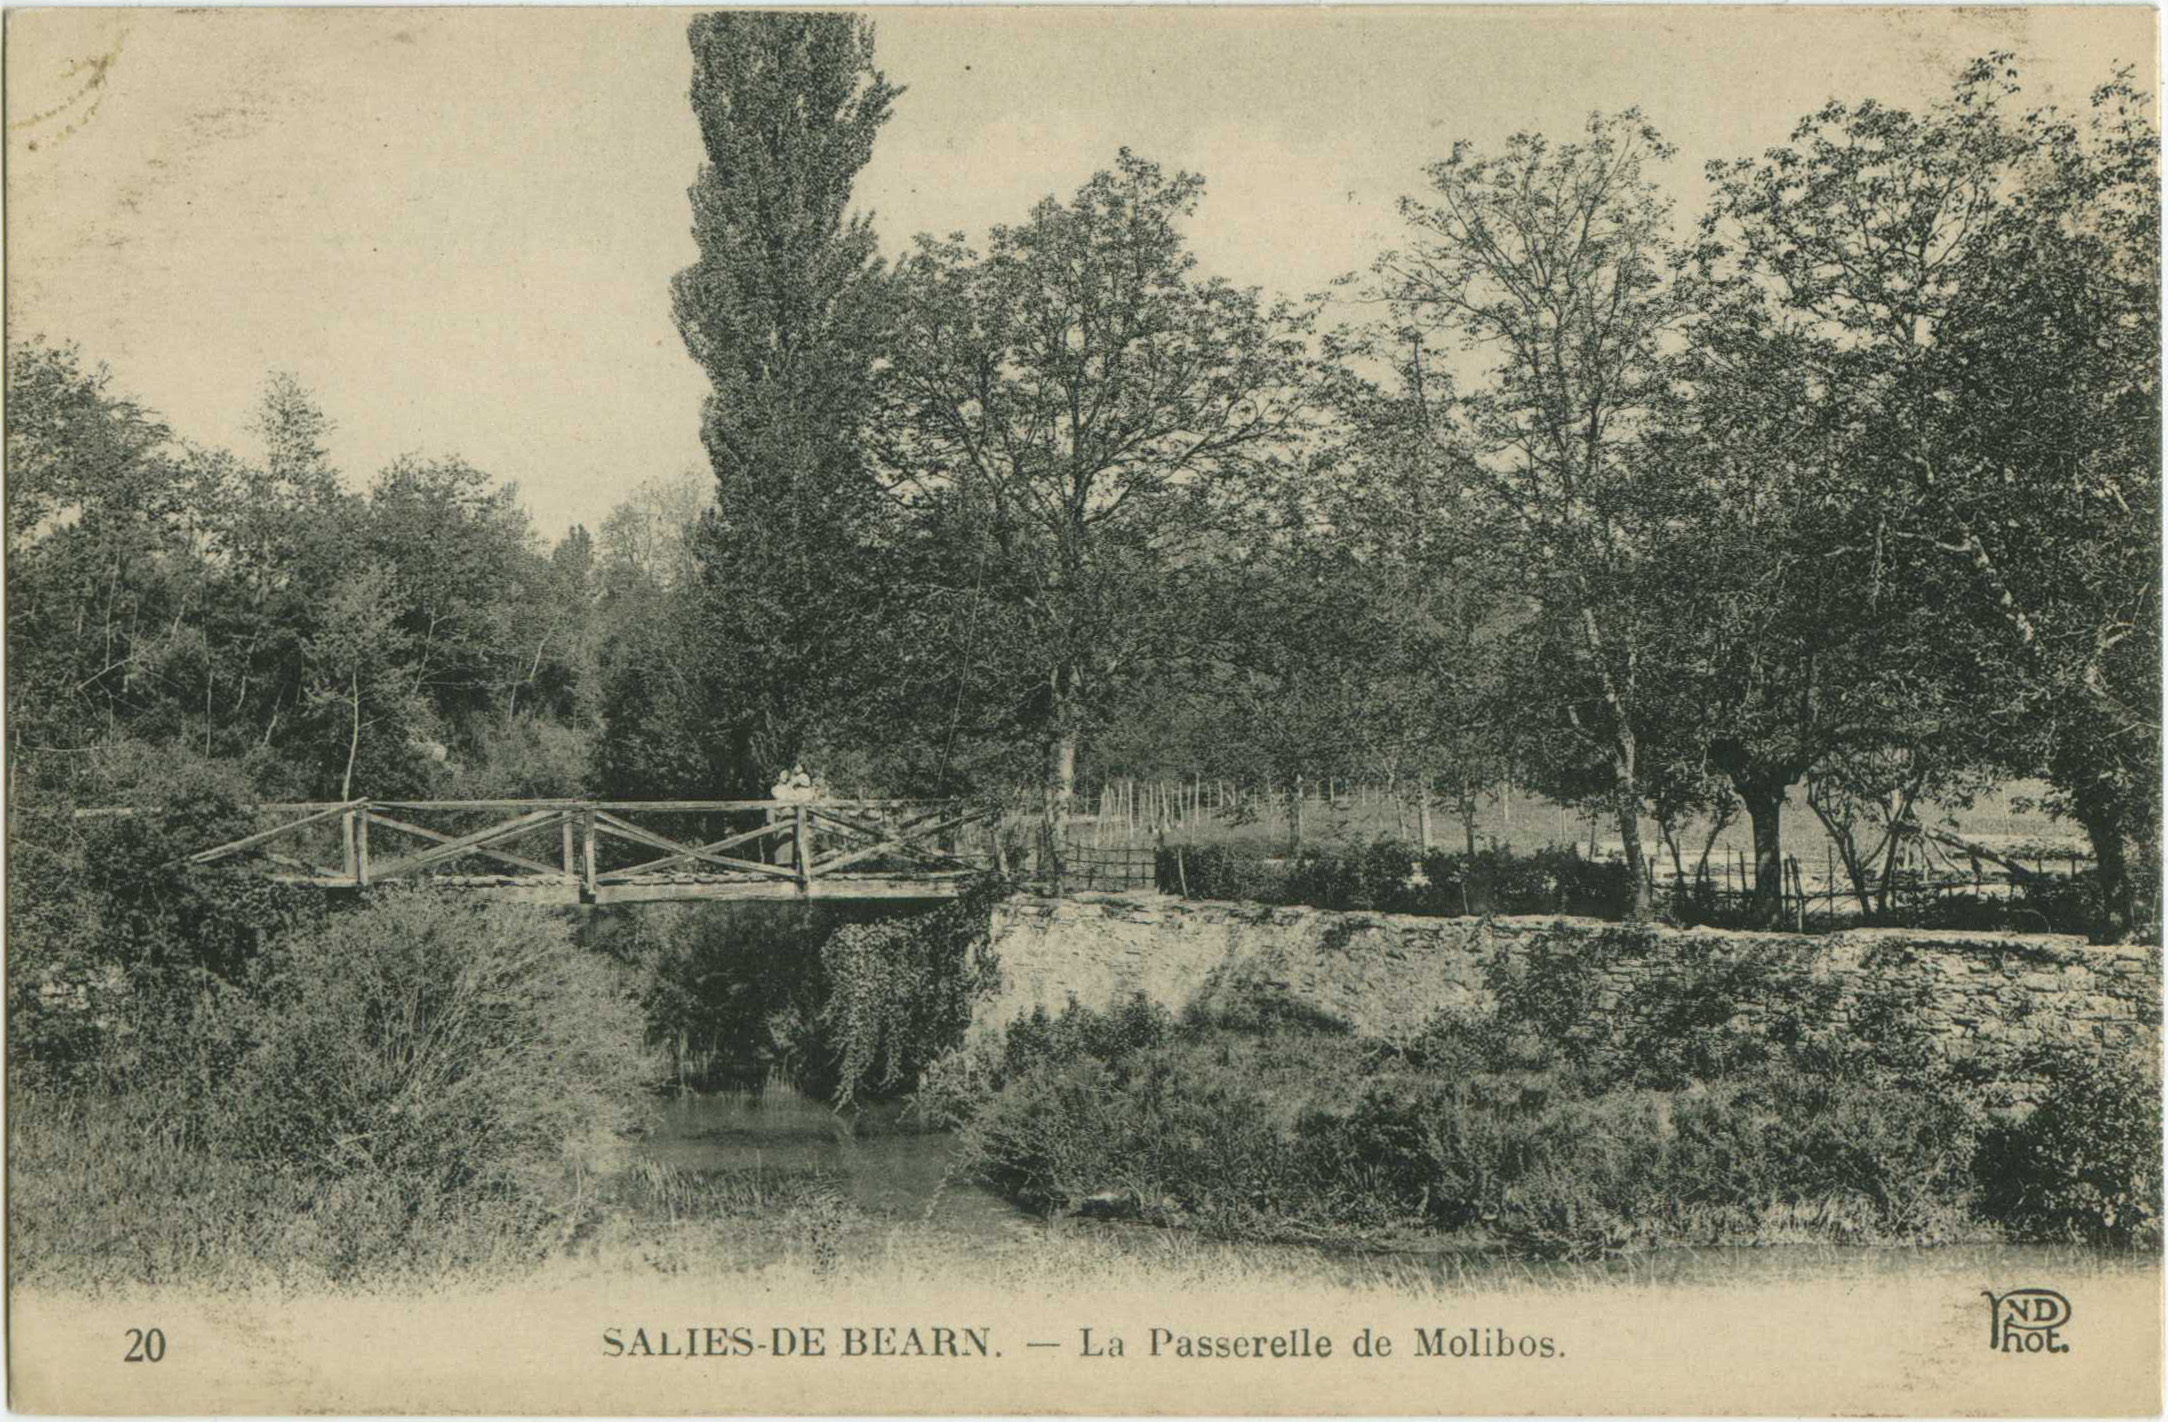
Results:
[2027, 1321]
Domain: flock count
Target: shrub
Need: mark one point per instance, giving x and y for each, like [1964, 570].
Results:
[1291, 1136]
[1248, 1001]
[1079, 1033]
[1212, 871]
[112, 935]
[1461, 1042]
[2086, 1163]
[472, 1046]
[105, 1192]
[1552, 991]
[1046, 1142]
[411, 1086]
[1713, 1008]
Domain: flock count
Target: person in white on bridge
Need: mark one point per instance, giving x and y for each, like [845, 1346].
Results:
[792, 787]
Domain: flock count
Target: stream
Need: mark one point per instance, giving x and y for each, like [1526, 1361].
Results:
[884, 1164]
[893, 1170]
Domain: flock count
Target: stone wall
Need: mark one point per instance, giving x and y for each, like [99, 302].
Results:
[1385, 975]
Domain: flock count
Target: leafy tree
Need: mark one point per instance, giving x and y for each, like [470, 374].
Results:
[1975, 290]
[277, 534]
[1553, 262]
[783, 310]
[650, 655]
[1082, 420]
[362, 693]
[1403, 507]
[99, 561]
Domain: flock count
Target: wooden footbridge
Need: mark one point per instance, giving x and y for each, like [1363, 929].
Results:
[624, 851]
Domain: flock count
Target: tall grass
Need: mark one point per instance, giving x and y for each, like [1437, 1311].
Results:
[414, 1086]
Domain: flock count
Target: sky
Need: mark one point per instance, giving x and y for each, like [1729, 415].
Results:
[458, 228]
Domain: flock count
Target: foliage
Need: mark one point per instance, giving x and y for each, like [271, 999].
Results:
[187, 603]
[1551, 261]
[477, 1046]
[1712, 1101]
[901, 990]
[784, 310]
[1650, 525]
[1977, 289]
[1078, 424]
[2086, 1162]
[411, 1086]
[103, 1193]
[729, 992]
[114, 938]
[1256, 1136]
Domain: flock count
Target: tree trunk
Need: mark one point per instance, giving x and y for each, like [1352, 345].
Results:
[1060, 794]
[1627, 792]
[2111, 861]
[1294, 820]
[1764, 809]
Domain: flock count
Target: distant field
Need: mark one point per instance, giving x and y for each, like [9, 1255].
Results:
[1522, 821]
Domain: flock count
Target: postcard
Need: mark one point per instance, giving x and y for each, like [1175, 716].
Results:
[1084, 710]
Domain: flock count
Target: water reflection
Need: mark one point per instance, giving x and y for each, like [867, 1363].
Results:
[882, 1161]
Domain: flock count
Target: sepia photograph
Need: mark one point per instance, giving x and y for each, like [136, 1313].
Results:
[1099, 710]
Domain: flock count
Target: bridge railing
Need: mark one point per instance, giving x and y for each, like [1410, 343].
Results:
[601, 849]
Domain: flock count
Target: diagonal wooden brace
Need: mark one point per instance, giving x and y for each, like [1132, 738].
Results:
[900, 844]
[689, 853]
[438, 837]
[465, 844]
[251, 841]
[611, 824]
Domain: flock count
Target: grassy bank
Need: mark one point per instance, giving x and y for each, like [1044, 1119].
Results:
[1494, 1131]
[417, 1087]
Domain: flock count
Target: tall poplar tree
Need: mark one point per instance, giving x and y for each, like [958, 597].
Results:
[783, 311]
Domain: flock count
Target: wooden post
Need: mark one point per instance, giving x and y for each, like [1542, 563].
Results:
[572, 865]
[361, 847]
[801, 841]
[587, 850]
[348, 858]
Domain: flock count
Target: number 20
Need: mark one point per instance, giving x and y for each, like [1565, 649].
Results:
[148, 1345]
